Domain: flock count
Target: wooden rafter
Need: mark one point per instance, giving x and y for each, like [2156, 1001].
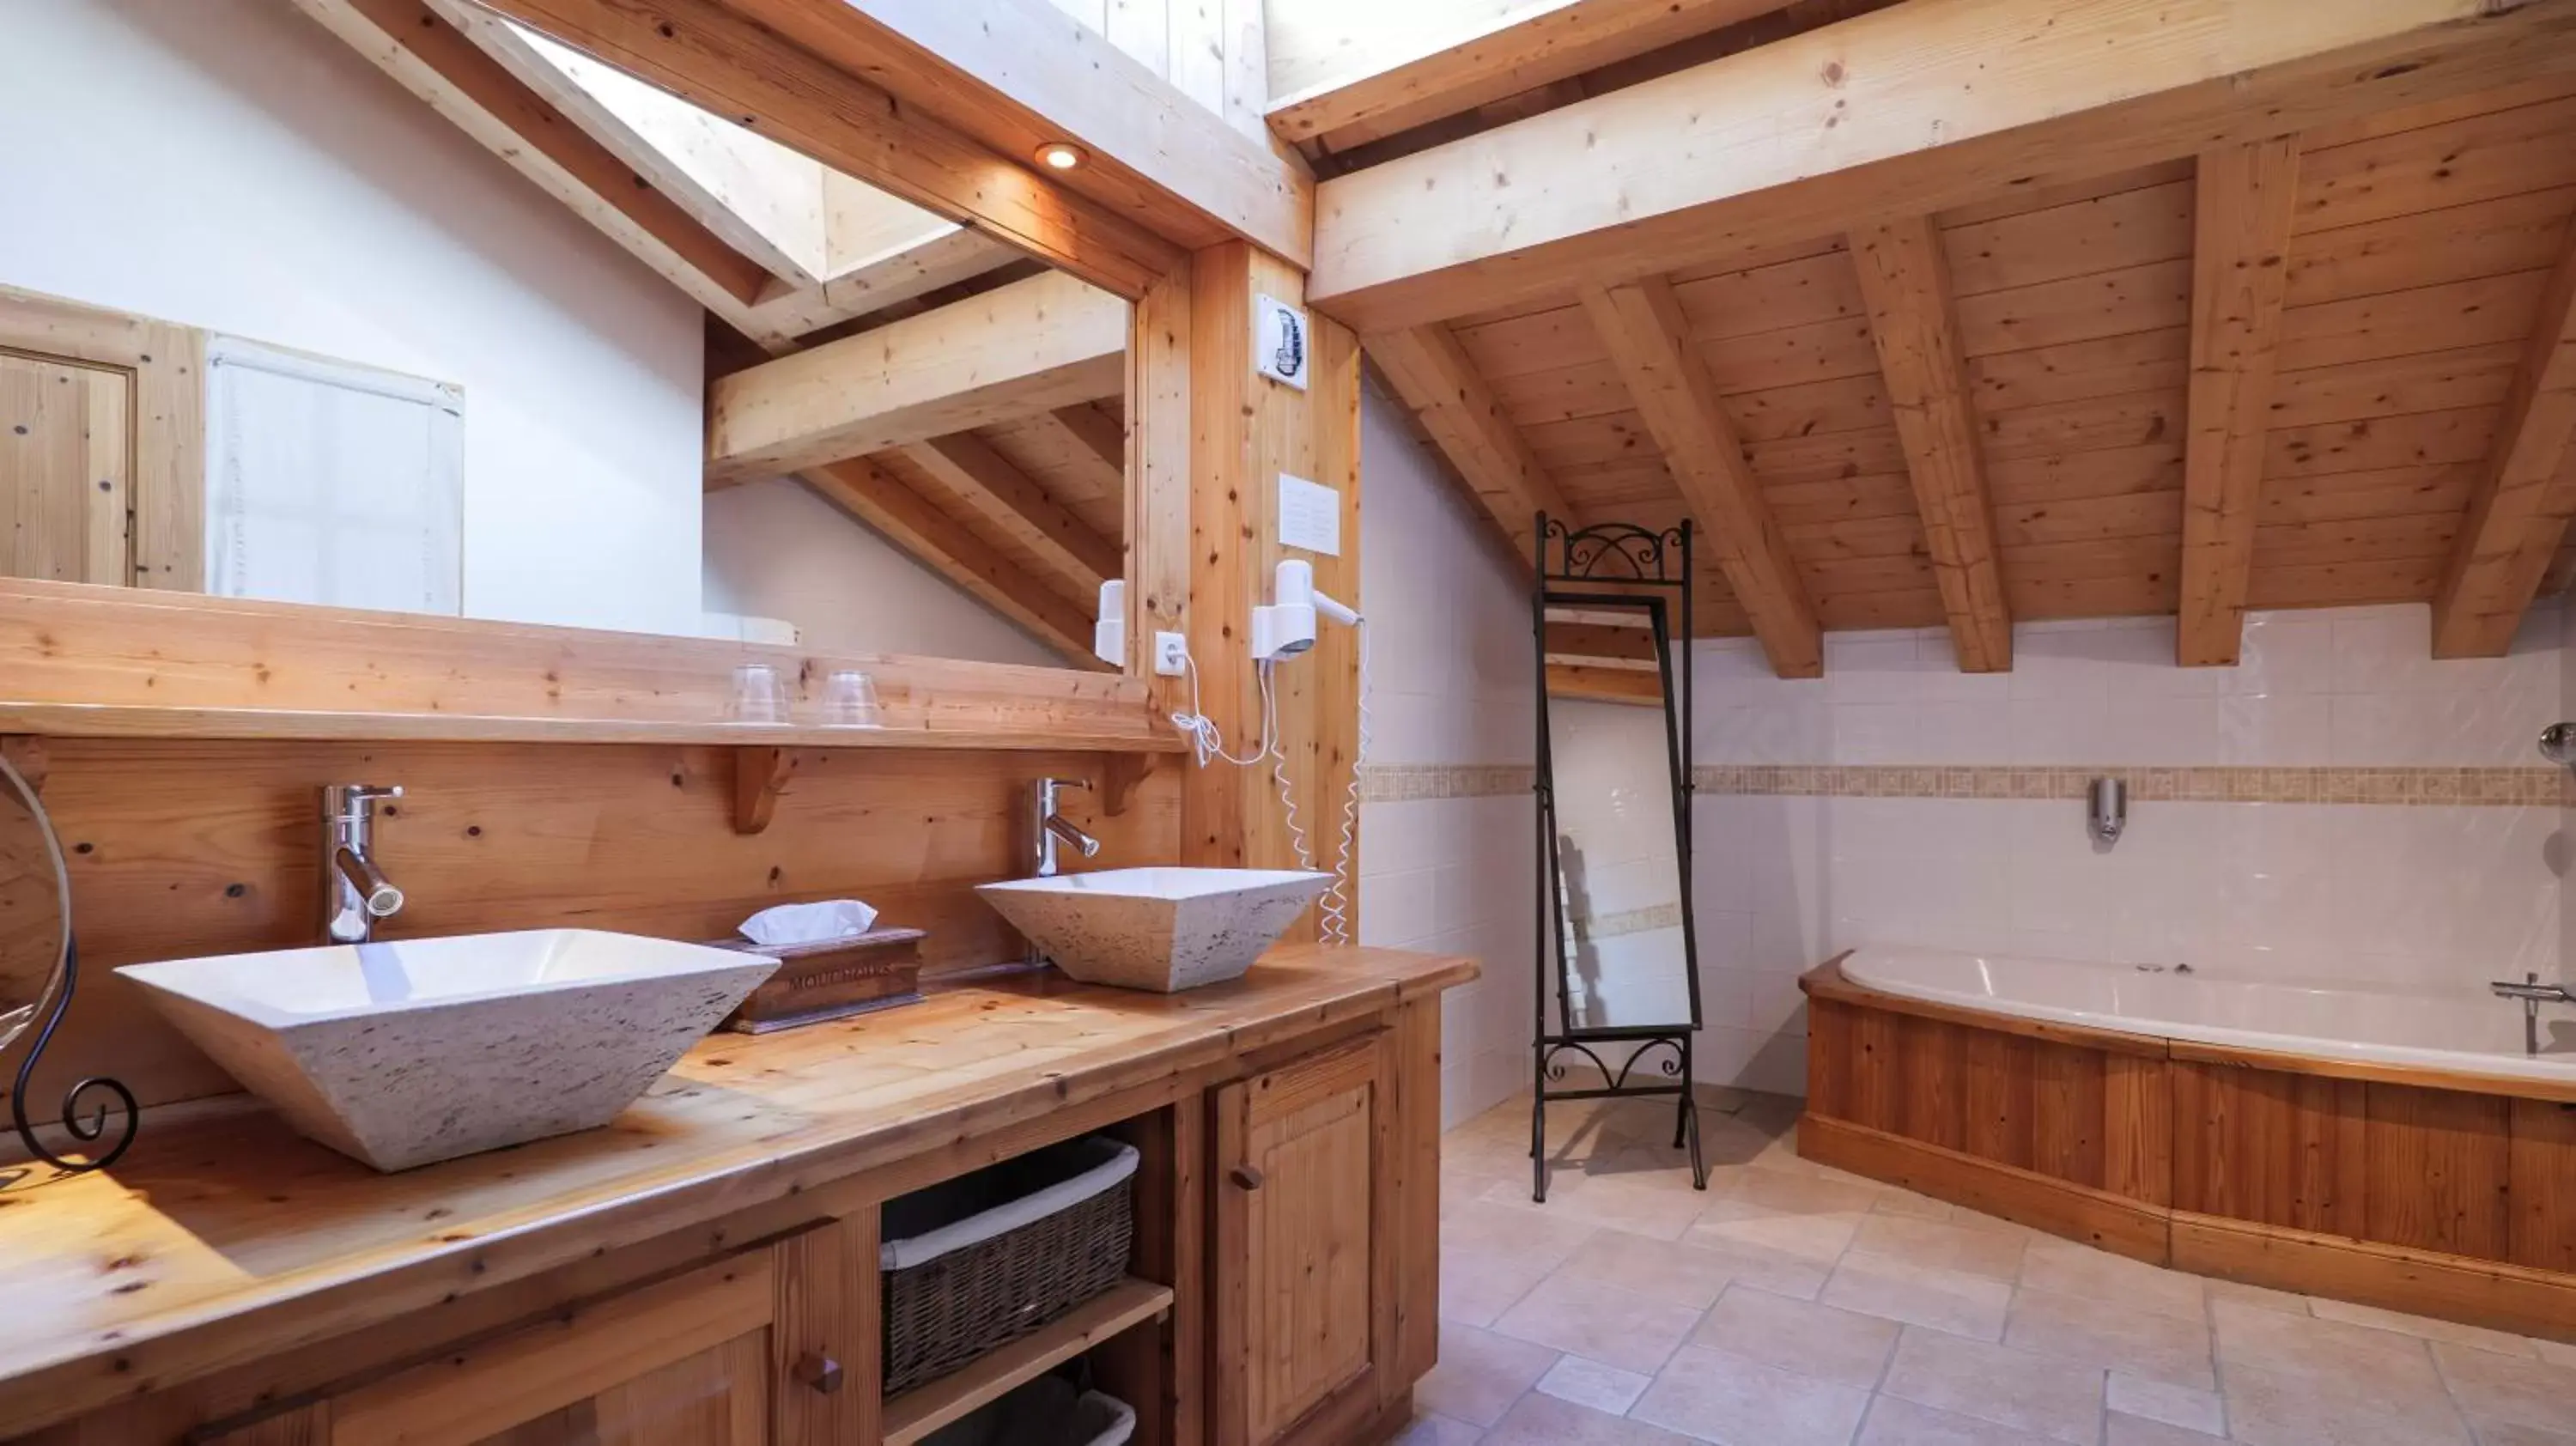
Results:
[1431, 372]
[2246, 202]
[1913, 321]
[1597, 640]
[1605, 685]
[2518, 514]
[1044, 342]
[1096, 442]
[1648, 338]
[432, 59]
[704, 52]
[992, 484]
[917, 525]
[942, 256]
[1785, 142]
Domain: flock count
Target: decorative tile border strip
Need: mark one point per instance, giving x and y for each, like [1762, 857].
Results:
[1411, 782]
[1666, 915]
[2474, 787]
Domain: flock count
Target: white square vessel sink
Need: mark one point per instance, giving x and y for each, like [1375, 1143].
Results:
[413, 1050]
[1164, 929]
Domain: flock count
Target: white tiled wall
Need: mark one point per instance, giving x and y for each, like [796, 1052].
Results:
[1449, 683]
[2408, 897]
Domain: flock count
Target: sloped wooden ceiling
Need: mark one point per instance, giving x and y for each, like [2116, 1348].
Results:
[2415, 283]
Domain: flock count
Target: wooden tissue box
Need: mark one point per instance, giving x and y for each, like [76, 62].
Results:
[831, 980]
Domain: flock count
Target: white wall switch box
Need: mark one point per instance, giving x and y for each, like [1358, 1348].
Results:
[1310, 516]
[1279, 349]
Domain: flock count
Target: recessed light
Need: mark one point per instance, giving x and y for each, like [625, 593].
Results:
[1061, 155]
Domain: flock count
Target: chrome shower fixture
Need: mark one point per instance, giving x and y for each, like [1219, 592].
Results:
[2558, 744]
[2107, 810]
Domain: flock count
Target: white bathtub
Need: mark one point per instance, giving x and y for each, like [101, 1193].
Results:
[2472, 1033]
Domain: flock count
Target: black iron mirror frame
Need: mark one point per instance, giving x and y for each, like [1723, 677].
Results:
[1613, 565]
[49, 1009]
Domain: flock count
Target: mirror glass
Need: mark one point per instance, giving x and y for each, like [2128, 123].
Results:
[31, 908]
[1619, 924]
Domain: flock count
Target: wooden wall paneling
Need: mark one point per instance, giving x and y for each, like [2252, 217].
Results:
[1878, 1081]
[2279, 1149]
[2541, 1185]
[201, 848]
[1931, 1058]
[2440, 1162]
[65, 476]
[2068, 1136]
[2518, 515]
[1434, 376]
[305, 1425]
[1833, 1052]
[2246, 200]
[1905, 274]
[2001, 1097]
[1643, 328]
[1157, 464]
[2137, 1128]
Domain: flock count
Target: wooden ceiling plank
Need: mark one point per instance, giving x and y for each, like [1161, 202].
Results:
[1043, 342]
[1601, 640]
[1431, 372]
[1915, 108]
[984, 479]
[703, 52]
[433, 60]
[1096, 442]
[2247, 201]
[2517, 516]
[1905, 274]
[1605, 685]
[945, 545]
[1389, 75]
[1644, 330]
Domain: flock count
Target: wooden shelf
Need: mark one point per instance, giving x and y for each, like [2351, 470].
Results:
[924, 1409]
[97, 720]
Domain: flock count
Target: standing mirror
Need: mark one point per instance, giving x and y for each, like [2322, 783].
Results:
[39, 965]
[1618, 989]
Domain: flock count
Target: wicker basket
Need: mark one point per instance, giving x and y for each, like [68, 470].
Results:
[981, 1260]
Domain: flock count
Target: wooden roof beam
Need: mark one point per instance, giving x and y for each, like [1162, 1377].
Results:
[992, 484]
[944, 544]
[1597, 640]
[2526, 493]
[434, 60]
[1416, 62]
[1097, 443]
[1907, 110]
[1913, 321]
[1648, 338]
[1431, 372]
[2240, 276]
[1043, 342]
[707, 53]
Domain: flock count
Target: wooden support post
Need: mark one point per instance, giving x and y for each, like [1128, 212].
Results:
[2240, 245]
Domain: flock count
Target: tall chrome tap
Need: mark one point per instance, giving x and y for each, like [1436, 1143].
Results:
[355, 893]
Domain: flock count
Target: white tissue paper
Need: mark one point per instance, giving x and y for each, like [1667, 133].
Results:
[810, 923]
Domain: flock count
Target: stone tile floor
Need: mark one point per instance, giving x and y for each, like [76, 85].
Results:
[1795, 1305]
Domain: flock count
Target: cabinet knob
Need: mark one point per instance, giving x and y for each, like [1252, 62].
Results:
[1246, 1177]
[819, 1371]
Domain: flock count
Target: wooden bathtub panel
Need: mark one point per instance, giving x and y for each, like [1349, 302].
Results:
[2137, 1125]
[2271, 1148]
[2440, 1164]
[2001, 1098]
[2542, 1181]
[1878, 1080]
[1832, 1048]
[2067, 1136]
[1932, 1060]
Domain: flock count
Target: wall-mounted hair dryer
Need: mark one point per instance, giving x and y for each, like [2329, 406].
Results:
[1287, 627]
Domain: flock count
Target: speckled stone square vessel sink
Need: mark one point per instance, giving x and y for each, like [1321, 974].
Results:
[1163, 929]
[415, 1050]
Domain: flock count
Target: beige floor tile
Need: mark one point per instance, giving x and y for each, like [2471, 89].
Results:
[1480, 1374]
[1599, 1322]
[1543, 1420]
[2126, 1430]
[1913, 1206]
[2499, 1390]
[1995, 1253]
[2318, 1350]
[1436, 1430]
[1823, 1341]
[2354, 1408]
[2556, 1353]
[1896, 1422]
[1477, 1286]
[2259, 1297]
[1771, 1270]
[1782, 1193]
[2113, 1336]
[2471, 1336]
[2079, 1270]
[2039, 1394]
[1515, 1229]
[2523, 1436]
[1900, 1290]
[2193, 1410]
[1675, 1272]
[1735, 1224]
[1725, 1398]
[1638, 1207]
[1590, 1383]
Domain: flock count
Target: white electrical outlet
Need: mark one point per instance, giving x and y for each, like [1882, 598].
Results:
[1171, 655]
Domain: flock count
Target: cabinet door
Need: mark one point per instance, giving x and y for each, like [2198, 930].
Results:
[1302, 1174]
[64, 431]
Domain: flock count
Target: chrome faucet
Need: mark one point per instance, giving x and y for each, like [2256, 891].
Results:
[2533, 994]
[1051, 827]
[355, 893]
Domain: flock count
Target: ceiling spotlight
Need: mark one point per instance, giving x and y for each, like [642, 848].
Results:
[1061, 155]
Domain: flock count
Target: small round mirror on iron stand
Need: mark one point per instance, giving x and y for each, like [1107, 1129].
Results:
[39, 967]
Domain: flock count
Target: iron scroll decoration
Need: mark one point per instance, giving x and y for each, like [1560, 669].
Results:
[1611, 552]
[65, 978]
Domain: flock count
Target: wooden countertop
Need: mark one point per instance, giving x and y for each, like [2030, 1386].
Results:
[219, 1240]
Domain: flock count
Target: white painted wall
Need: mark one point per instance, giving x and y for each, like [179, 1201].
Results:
[228, 164]
[775, 550]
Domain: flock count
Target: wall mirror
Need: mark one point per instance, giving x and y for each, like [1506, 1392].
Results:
[1619, 1001]
[39, 965]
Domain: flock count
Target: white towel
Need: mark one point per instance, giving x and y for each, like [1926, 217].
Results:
[810, 923]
